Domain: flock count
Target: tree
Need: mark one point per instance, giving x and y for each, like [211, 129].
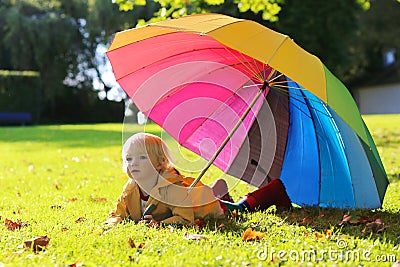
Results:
[60, 39]
[42, 39]
[269, 9]
[379, 34]
[327, 29]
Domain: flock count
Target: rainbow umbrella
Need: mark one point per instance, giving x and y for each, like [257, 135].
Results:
[253, 103]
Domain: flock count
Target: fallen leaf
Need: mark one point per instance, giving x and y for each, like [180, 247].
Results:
[131, 243]
[13, 225]
[155, 225]
[307, 221]
[346, 218]
[80, 219]
[319, 237]
[250, 235]
[188, 236]
[364, 219]
[329, 232]
[77, 263]
[377, 226]
[37, 243]
[100, 199]
[220, 226]
[102, 231]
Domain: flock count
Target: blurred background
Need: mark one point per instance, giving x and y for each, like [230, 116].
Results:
[53, 67]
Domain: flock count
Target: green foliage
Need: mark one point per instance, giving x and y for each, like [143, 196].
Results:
[60, 39]
[16, 96]
[378, 34]
[269, 9]
[62, 180]
[327, 29]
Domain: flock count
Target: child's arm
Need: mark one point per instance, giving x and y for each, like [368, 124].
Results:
[120, 212]
[180, 215]
[179, 204]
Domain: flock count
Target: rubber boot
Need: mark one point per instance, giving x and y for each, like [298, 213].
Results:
[274, 193]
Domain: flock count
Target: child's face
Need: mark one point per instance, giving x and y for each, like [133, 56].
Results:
[140, 167]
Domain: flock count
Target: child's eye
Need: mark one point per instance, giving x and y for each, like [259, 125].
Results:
[128, 159]
[142, 157]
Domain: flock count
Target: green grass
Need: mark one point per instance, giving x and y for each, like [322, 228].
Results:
[50, 176]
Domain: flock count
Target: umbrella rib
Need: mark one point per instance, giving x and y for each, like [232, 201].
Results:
[231, 133]
[297, 97]
[189, 83]
[215, 111]
[251, 70]
[278, 86]
[258, 69]
[164, 58]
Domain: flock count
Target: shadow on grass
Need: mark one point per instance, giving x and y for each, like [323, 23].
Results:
[68, 136]
[361, 224]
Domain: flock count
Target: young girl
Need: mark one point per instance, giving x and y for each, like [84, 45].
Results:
[155, 183]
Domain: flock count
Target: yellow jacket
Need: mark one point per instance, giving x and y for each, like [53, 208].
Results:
[173, 203]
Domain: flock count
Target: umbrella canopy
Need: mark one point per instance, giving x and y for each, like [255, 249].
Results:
[255, 103]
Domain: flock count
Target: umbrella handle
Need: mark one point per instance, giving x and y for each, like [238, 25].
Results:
[203, 171]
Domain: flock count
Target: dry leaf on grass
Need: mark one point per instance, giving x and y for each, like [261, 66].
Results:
[132, 244]
[100, 199]
[80, 219]
[188, 236]
[250, 235]
[319, 237]
[37, 243]
[377, 226]
[307, 221]
[329, 232]
[220, 226]
[77, 263]
[346, 219]
[14, 225]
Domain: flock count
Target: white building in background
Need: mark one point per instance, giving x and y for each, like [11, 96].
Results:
[380, 98]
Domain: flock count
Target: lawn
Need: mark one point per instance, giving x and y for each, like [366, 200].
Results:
[61, 181]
